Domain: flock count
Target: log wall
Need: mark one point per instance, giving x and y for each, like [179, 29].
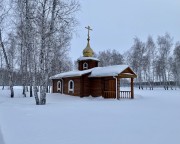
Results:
[85, 86]
[96, 87]
[77, 89]
[54, 85]
[91, 64]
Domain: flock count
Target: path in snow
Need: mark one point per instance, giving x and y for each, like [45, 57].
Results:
[1, 137]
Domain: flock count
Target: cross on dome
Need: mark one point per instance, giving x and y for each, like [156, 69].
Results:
[88, 28]
[88, 52]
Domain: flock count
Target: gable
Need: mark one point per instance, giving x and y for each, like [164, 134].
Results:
[127, 73]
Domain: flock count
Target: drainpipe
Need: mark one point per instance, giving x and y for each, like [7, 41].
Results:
[62, 85]
[116, 85]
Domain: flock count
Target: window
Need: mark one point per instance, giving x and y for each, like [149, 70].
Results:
[71, 86]
[59, 86]
[85, 65]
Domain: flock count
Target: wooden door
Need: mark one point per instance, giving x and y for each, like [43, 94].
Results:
[110, 89]
[112, 85]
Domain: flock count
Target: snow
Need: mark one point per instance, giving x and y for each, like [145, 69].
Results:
[108, 71]
[71, 74]
[87, 58]
[95, 72]
[151, 118]
[1, 138]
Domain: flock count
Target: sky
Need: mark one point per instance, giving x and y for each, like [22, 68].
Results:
[116, 22]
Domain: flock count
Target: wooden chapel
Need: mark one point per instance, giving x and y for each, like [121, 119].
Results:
[92, 80]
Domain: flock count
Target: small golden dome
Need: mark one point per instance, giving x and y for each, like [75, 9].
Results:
[88, 52]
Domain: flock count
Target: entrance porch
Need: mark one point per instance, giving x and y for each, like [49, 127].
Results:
[112, 87]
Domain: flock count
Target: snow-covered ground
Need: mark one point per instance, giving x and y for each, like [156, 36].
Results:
[153, 117]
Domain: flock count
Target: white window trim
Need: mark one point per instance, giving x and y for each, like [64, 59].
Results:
[85, 65]
[59, 84]
[71, 89]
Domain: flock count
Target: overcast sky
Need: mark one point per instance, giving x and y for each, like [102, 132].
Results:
[116, 22]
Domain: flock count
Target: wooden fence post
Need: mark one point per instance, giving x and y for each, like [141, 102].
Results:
[132, 88]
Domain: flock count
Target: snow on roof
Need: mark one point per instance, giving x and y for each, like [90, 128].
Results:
[87, 58]
[95, 72]
[108, 71]
[71, 74]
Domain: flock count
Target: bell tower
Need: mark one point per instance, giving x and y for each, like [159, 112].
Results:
[87, 61]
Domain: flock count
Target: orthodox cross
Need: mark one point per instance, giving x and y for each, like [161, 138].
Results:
[88, 28]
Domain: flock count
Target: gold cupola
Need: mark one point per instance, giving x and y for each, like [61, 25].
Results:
[87, 61]
[88, 52]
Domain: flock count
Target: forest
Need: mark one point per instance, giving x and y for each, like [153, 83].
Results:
[156, 62]
[35, 40]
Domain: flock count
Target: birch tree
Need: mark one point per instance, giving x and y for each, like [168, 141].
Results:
[110, 57]
[137, 57]
[43, 31]
[164, 47]
[7, 65]
[53, 16]
[176, 65]
[3, 15]
[2, 73]
[150, 55]
[25, 15]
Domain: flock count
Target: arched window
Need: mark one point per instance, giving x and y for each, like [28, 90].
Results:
[71, 86]
[85, 65]
[59, 86]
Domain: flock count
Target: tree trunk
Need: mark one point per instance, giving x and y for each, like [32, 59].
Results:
[31, 94]
[8, 67]
[43, 95]
[35, 90]
[24, 90]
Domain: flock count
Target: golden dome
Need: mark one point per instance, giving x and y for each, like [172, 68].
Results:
[88, 52]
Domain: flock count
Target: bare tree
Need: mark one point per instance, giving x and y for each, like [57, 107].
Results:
[25, 15]
[164, 48]
[8, 66]
[110, 57]
[2, 73]
[3, 14]
[43, 31]
[150, 64]
[176, 64]
[53, 16]
[137, 57]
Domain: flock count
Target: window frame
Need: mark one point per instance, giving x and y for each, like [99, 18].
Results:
[59, 85]
[69, 86]
[85, 65]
